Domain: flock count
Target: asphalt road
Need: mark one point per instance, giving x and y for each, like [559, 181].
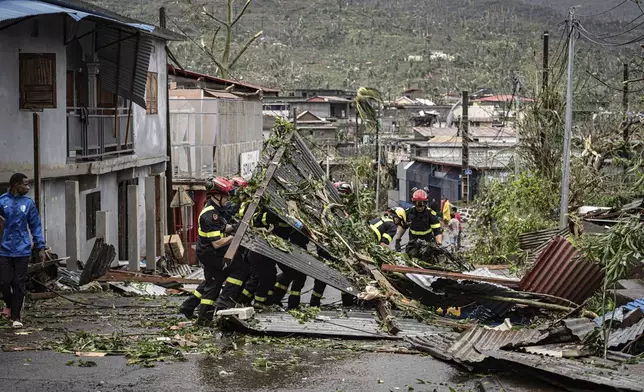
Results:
[319, 371]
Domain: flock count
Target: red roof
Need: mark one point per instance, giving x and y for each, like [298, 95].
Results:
[213, 79]
[504, 98]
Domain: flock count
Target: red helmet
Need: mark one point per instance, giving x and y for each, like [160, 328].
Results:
[343, 187]
[419, 195]
[219, 185]
[239, 182]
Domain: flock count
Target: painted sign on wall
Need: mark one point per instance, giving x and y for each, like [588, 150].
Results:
[247, 163]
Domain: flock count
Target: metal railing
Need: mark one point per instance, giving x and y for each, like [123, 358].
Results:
[97, 133]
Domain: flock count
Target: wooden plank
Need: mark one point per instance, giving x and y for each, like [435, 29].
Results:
[252, 207]
[114, 276]
[450, 275]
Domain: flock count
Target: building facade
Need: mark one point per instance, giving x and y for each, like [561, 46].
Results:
[84, 90]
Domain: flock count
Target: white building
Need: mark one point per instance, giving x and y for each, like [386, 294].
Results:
[97, 83]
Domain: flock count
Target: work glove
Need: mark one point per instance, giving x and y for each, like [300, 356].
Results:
[398, 246]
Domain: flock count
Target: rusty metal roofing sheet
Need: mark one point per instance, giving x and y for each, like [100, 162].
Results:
[626, 335]
[331, 323]
[610, 374]
[560, 272]
[580, 327]
[300, 260]
[468, 346]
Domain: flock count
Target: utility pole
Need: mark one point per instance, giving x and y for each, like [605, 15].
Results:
[544, 81]
[377, 164]
[169, 164]
[517, 87]
[328, 151]
[465, 155]
[565, 180]
[625, 102]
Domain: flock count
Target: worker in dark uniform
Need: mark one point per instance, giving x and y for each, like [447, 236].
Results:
[423, 224]
[345, 190]
[386, 226]
[264, 269]
[212, 245]
[238, 208]
[290, 276]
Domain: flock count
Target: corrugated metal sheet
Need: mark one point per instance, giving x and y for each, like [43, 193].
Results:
[610, 374]
[560, 272]
[300, 260]
[638, 303]
[626, 335]
[331, 324]
[530, 241]
[121, 60]
[434, 344]
[468, 346]
[580, 327]
[559, 350]
[462, 293]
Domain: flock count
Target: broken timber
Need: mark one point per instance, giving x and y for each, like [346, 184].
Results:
[252, 207]
[450, 275]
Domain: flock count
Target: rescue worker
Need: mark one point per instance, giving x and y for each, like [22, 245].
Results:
[264, 269]
[212, 245]
[345, 190]
[386, 226]
[188, 306]
[239, 191]
[423, 223]
[291, 276]
[22, 231]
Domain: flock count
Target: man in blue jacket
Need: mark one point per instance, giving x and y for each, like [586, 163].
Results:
[21, 221]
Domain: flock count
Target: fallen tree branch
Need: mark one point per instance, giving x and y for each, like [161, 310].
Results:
[537, 304]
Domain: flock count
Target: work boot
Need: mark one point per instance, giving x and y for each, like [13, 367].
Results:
[293, 302]
[206, 314]
[189, 313]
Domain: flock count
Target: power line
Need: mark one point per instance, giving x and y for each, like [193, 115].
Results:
[604, 12]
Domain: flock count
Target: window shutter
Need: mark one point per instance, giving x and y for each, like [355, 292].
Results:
[37, 80]
[152, 93]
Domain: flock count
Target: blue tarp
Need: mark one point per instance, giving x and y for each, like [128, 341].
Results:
[17, 9]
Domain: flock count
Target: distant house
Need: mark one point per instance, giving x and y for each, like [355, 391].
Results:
[316, 129]
[479, 115]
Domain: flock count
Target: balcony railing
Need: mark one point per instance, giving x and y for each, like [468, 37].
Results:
[95, 133]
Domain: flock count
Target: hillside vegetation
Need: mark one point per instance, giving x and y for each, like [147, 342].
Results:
[349, 43]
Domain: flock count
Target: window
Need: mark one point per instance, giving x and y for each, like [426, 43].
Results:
[152, 94]
[92, 206]
[37, 80]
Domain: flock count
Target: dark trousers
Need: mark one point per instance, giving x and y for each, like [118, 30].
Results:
[215, 272]
[293, 278]
[13, 274]
[237, 275]
[264, 276]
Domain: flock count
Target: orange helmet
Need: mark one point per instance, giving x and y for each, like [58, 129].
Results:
[343, 187]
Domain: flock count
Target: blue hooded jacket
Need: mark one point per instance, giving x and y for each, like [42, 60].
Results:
[20, 219]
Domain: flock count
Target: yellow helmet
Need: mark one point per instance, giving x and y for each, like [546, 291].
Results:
[401, 214]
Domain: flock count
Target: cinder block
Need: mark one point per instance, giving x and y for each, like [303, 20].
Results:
[241, 313]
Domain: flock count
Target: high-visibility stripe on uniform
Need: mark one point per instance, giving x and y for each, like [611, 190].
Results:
[264, 219]
[247, 293]
[316, 294]
[234, 281]
[436, 226]
[280, 286]
[242, 209]
[375, 227]
[293, 292]
[207, 302]
[425, 232]
[196, 294]
[207, 234]
[270, 292]
[260, 299]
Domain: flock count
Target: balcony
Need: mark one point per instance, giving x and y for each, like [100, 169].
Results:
[94, 134]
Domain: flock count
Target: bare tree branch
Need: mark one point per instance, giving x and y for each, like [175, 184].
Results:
[241, 13]
[206, 51]
[244, 48]
[213, 17]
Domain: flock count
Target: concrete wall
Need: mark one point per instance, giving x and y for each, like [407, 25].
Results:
[16, 132]
[150, 129]
[320, 109]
